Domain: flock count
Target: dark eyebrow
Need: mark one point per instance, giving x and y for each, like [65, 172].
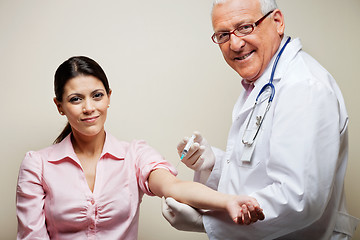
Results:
[75, 94]
[98, 90]
[82, 96]
[102, 91]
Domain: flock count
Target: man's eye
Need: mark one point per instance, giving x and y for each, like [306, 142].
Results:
[221, 36]
[245, 28]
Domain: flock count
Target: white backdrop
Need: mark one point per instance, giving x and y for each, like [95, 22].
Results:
[168, 78]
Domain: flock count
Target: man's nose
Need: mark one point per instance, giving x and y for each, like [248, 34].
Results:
[236, 43]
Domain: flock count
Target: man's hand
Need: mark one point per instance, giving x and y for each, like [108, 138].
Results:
[200, 156]
[243, 210]
[181, 216]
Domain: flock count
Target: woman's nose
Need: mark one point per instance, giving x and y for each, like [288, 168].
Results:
[88, 107]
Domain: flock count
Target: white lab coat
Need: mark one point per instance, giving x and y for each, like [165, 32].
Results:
[298, 165]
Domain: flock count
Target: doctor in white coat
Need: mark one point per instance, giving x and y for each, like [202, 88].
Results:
[292, 157]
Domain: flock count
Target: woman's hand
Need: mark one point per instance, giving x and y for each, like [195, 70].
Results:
[244, 210]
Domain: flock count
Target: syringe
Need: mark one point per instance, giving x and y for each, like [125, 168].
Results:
[187, 146]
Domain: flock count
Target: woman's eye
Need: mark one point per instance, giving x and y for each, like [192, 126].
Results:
[98, 95]
[75, 99]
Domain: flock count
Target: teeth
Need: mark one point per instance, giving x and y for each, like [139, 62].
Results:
[245, 56]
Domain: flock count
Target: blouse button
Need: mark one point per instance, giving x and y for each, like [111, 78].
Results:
[92, 226]
[92, 201]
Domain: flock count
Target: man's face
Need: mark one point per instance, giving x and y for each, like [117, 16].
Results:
[248, 55]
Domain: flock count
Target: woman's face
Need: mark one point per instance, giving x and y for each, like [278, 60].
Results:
[85, 103]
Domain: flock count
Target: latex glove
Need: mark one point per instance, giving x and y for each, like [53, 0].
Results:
[181, 216]
[200, 156]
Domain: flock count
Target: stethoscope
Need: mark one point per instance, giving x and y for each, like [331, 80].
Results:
[269, 85]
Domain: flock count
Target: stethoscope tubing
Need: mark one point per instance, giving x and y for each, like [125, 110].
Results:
[270, 83]
[267, 85]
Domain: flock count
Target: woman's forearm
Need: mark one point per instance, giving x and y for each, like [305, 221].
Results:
[241, 209]
[163, 183]
[198, 196]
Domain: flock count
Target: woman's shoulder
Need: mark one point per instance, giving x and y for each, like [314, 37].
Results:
[135, 146]
[33, 160]
[37, 155]
[124, 143]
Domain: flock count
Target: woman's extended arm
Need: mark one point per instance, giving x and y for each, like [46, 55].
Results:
[163, 183]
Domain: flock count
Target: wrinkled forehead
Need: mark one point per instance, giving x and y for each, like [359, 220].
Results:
[229, 13]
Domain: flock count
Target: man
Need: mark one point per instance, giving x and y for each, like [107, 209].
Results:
[290, 153]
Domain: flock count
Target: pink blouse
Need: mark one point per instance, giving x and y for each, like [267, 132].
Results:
[53, 199]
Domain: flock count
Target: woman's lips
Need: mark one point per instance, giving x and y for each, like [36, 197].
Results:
[90, 119]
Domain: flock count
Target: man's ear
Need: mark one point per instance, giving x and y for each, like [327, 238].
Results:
[278, 19]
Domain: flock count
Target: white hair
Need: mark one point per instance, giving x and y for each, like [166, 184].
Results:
[266, 5]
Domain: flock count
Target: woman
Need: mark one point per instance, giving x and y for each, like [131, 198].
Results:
[89, 184]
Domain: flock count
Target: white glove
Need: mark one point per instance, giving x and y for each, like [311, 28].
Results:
[181, 216]
[200, 156]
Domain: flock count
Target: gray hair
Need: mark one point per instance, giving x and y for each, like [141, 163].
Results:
[266, 5]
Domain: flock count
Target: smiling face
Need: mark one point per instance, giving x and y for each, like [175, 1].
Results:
[85, 103]
[248, 55]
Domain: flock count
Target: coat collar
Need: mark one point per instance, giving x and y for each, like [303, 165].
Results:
[244, 104]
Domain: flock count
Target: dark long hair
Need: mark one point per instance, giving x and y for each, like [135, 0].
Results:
[71, 68]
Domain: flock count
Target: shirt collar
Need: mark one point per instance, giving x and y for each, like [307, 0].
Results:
[246, 99]
[65, 149]
[112, 147]
[247, 85]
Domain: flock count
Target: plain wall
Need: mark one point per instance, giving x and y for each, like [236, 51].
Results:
[168, 79]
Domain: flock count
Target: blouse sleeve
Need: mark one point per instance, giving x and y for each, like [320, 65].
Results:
[30, 196]
[147, 160]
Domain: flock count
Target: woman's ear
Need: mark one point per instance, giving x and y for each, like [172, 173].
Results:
[109, 95]
[58, 105]
[278, 18]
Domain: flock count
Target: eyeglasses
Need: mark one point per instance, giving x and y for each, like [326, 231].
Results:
[240, 31]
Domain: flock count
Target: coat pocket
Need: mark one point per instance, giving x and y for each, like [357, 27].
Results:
[346, 223]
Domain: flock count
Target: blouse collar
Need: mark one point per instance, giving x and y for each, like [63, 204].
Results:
[65, 149]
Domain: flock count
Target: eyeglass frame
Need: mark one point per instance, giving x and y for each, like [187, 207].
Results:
[255, 24]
